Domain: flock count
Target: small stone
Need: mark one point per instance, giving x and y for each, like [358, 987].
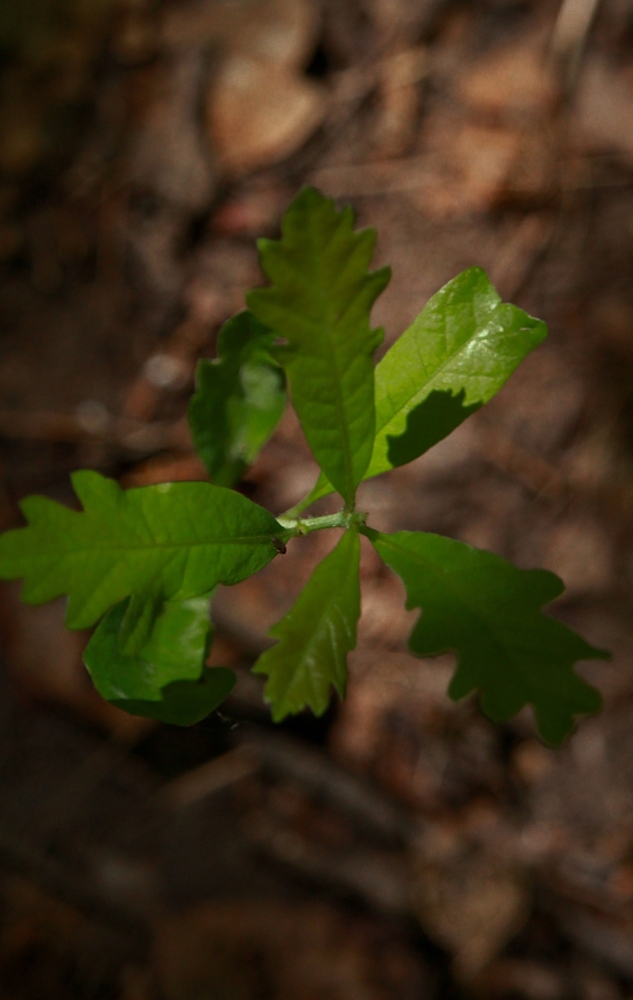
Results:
[165, 371]
[92, 416]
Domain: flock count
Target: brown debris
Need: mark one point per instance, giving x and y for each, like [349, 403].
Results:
[298, 952]
[491, 134]
[260, 112]
[468, 901]
[604, 109]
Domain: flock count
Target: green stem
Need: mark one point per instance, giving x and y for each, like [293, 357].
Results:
[294, 527]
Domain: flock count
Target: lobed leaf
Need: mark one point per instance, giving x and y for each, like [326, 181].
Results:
[152, 544]
[175, 651]
[315, 636]
[489, 613]
[166, 679]
[319, 300]
[455, 356]
[183, 703]
[238, 401]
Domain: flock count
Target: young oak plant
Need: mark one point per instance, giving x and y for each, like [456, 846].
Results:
[142, 564]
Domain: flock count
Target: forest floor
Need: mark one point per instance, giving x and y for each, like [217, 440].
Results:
[401, 846]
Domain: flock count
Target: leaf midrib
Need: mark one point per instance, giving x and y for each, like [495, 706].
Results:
[347, 445]
[106, 547]
[294, 679]
[340, 408]
[331, 603]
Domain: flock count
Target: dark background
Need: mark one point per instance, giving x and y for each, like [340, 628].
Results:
[401, 846]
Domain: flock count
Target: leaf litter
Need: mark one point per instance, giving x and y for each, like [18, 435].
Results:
[513, 858]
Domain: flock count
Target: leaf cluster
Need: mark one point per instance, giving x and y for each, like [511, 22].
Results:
[142, 564]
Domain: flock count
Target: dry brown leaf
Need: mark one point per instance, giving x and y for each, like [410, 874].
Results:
[281, 32]
[512, 83]
[473, 163]
[604, 109]
[399, 77]
[467, 900]
[168, 156]
[260, 113]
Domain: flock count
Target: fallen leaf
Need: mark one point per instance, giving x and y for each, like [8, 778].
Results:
[260, 113]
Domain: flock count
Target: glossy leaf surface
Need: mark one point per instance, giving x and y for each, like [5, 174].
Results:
[155, 543]
[176, 650]
[315, 636]
[167, 679]
[319, 301]
[238, 401]
[455, 356]
[489, 613]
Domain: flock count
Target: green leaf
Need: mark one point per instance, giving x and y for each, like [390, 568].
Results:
[489, 613]
[167, 679]
[175, 651]
[155, 543]
[456, 355]
[320, 300]
[434, 419]
[183, 703]
[239, 399]
[315, 636]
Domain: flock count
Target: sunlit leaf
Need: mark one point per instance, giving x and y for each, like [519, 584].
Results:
[155, 543]
[315, 636]
[319, 301]
[455, 356]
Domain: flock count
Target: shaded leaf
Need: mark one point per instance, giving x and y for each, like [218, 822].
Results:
[489, 613]
[320, 300]
[466, 342]
[183, 703]
[155, 543]
[434, 419]
[167, 679]
[315, 636]
[238, 401]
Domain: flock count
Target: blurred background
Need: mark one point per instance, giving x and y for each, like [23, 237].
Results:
[401, 846]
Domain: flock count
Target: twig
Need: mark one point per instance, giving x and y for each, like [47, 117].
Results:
[570, 34]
